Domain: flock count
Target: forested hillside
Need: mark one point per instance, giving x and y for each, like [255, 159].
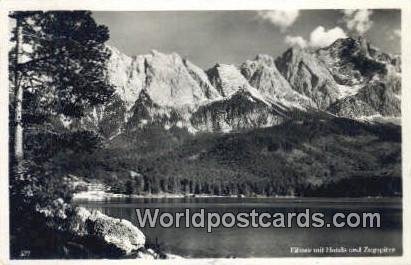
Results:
[319, 155]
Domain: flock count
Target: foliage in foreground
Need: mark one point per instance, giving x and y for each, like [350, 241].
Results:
[57, 66]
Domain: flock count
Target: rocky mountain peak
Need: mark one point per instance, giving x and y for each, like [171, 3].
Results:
[265, 59]
[263, 75]
[345, 48]
[354, 61]
[226, 78]
[126, 74]
[201, 77]
[170, 80]
[308, 75]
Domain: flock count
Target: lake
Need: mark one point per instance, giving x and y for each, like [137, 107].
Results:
[263, 242]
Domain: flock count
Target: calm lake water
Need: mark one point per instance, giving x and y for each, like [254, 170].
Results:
[263, 242]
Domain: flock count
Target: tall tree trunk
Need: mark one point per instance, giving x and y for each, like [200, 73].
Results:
[18, 133]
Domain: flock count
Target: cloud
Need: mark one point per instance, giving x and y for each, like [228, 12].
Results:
[280, 18]
[358, 20]
[295, 41]
[319, 37]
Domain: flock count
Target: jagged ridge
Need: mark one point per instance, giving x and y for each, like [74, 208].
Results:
[350, 78]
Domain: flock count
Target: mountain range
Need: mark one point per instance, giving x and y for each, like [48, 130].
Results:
[311, 122]
[350, 78]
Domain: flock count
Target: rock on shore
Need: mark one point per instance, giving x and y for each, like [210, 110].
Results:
[103, 233]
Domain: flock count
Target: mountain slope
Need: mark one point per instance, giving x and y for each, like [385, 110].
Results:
[243, 109]
[226, 78]
[262, 74]
[170, 83]
[375, 98]
[308, 76]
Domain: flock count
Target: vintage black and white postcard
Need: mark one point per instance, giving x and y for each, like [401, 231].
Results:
[205, 132]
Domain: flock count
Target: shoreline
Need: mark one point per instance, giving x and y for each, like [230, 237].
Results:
[103, 196]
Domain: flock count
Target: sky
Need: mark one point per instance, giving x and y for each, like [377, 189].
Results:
[210, 37]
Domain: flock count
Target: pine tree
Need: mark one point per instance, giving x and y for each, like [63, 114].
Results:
[58, 63]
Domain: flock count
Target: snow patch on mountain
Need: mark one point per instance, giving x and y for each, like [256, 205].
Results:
[346, 91]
